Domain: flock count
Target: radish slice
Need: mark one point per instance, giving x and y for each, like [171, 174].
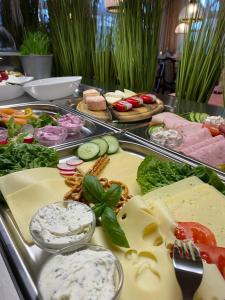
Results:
[28, 139]
[66, 173]
[74, 162]
[65, 167]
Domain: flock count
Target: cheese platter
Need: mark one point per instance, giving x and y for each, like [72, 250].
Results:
[152, 197]
[125, 106]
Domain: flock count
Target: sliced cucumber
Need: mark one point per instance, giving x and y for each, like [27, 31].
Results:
[88, 151]
[103, 145]
[192, 116]
[154, 128]
[203, 117]
[112, 142]
[197, 117]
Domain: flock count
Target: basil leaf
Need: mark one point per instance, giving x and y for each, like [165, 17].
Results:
[112, 196]
[113, 229]
[98, 209]
[92, 189]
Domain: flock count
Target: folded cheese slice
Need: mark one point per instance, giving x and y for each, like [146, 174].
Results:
[15, 181]
[202, 204]
[25, 202]
[147, 266]
[122, 167]
[172, 189]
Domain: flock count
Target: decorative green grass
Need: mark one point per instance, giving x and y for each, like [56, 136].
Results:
[103, 59]
[35, 43]
[201, 60]
[136, 44]
[72, 27]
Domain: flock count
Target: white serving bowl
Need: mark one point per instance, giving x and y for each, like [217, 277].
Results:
[52, 88]
[8, 92]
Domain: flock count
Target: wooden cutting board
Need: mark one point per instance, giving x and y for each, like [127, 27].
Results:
[136, 114]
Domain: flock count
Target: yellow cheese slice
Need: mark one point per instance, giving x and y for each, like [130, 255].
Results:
[202, 204]
[25, 202]
[150, 227]
[15, 181]
[212, 286]
[172, 189]
[147, 267]
[122, 167]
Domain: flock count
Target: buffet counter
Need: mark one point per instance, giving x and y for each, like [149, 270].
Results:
[24, 259]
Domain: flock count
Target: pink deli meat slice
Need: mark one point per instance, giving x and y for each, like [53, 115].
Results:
[200, 144]
[212, 154]
[170, 120]
[192, 134]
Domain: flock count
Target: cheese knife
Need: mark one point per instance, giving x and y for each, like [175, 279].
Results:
[113, 117]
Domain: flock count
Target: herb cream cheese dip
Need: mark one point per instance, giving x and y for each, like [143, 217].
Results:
[62, 223]
[82, 275]
[168, 138]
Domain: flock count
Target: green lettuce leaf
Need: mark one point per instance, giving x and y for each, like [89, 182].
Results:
[154, 173]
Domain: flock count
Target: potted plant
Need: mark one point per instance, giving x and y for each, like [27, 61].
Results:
[35, 57]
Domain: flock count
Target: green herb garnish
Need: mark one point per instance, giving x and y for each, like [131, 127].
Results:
[105, 202]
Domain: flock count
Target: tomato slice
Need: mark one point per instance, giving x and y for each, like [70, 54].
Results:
[196, 232]
[213, 130]
[213, 255]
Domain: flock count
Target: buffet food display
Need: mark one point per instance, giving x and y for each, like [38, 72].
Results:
[45, 128]
[141, 205]
[198, 136]
[124, 106]
[97, 216]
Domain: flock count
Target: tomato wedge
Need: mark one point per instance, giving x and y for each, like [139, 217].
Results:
[213, 255]
[196, 232]
[213, 130]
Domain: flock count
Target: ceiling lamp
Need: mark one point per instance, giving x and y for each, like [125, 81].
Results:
[192, 11]
[112, 5]
[181, 28]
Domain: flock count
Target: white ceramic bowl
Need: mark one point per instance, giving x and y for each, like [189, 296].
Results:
[52, 88]
[8, 92]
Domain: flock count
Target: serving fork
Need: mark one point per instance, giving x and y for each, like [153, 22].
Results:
[188, 267]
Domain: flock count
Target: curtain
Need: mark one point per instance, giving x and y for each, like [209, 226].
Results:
[170, 20]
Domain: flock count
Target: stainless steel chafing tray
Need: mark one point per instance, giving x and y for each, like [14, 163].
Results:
[91, 127]
[25, 260]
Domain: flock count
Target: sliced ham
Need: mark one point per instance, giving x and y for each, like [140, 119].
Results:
[211, 140]
[212, 154]
[170, 120]
[192, 134]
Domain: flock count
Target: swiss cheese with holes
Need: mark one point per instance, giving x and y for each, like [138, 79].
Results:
[147, 266]
[148, 225]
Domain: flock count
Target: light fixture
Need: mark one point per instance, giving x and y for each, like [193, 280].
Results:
[182, 28]
[112, 5]
[192, 11]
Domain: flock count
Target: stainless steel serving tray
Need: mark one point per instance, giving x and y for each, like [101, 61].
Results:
[91, 127]
[140, 133]
[25, 260]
